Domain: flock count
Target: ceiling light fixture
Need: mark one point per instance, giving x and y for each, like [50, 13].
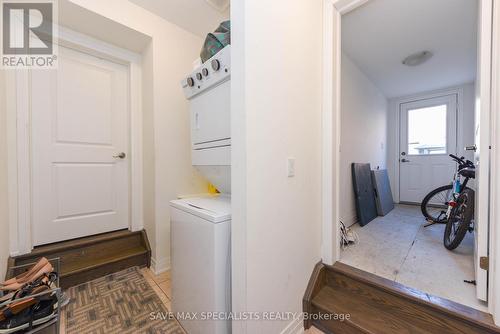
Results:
[417, 58]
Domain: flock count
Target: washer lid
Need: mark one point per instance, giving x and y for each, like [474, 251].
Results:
[213, 209]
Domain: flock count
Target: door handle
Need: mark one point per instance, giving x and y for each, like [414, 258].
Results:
[120, 155]
[405, 160]
[471, 148]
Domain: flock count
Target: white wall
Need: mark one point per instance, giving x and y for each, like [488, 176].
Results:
[167, 155]
[4, 225]
[276, 101]
[465, 135]
[363, 139]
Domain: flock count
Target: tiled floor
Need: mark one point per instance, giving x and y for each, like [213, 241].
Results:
[161, 284]
[399, 248]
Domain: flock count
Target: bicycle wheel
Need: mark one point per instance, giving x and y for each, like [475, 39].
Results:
[460, 218]
[435, 204]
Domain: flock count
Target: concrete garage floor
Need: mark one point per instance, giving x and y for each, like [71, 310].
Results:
[399, 248]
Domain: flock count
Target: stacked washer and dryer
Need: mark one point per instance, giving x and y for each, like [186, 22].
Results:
[201, 226]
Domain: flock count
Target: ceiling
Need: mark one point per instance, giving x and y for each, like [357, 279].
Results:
[380, 34]
[77, 18]
[196, 16]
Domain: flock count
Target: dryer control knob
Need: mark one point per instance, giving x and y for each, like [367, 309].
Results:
[205, 71]
[199, 76]
[190, 82]
[216, 64]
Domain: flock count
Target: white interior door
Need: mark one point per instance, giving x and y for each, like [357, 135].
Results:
[79, 127]
[482, 143]
[428, 133]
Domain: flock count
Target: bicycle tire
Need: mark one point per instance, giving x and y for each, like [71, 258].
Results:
[429, 211]
[461, 215]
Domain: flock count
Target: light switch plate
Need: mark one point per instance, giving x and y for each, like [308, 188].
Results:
[291, 167]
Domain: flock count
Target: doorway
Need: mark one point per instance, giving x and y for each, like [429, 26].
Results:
[333, 143]
[85, 147]
[80, 136]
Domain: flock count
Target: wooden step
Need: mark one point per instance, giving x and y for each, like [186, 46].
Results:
[342, 299]
[91, 257]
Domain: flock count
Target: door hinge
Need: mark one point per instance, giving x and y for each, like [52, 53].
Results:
[484, 262]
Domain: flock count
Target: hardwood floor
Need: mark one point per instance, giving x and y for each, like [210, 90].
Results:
[343, 299]
[313, 330]
[84, 259]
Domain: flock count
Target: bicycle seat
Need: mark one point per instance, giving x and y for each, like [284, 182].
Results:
[468, 172]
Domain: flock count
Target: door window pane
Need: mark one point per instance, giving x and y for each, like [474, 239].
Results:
[427, 130]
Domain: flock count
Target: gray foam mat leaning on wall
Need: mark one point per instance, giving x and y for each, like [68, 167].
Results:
[383, 193]
[366, 207]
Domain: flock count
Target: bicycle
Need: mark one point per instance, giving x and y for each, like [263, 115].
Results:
[452, 204]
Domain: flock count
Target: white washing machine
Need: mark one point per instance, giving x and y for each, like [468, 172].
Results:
[201, 263]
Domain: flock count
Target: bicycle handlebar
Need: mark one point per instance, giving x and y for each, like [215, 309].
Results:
[457, 159]
[461, 161]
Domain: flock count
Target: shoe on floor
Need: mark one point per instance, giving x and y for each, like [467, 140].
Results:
[26, 276]
[33, 276]
[42, 311]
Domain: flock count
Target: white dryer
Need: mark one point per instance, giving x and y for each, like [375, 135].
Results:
[208, 89]
[201, 263]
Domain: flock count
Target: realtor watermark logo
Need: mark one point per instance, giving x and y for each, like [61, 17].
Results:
[29, 29]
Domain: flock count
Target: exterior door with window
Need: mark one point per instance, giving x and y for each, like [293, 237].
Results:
[428, 133]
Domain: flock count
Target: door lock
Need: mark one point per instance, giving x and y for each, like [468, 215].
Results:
[120, 155]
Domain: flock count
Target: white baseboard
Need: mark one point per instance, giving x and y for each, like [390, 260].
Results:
[160, 266]
[296, 326]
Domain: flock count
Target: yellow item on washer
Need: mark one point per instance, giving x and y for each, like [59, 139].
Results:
[212, 189]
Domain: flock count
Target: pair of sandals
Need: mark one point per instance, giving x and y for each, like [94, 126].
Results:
[40, 268]
[24, 302]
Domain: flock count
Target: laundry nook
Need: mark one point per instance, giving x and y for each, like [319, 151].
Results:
[201, 226]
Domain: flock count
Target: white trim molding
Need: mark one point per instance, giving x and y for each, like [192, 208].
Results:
[296, 326]
[331, 92]
[345, 6]
[19, 174]
[19, 137]
[327, 210]
[494, 237]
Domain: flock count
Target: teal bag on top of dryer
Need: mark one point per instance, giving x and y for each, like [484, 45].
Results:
[216, 41]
